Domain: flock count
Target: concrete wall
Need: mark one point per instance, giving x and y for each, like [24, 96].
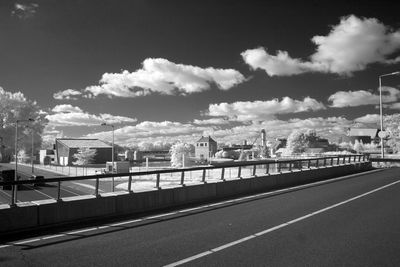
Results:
[45, 213]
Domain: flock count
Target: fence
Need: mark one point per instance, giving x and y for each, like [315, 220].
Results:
[204, 174]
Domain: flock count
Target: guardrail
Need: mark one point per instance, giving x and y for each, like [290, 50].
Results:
[263, 165]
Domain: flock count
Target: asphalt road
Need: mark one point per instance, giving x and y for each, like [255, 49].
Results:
[49, 190]
[348, 222]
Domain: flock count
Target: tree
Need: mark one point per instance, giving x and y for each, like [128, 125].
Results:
[358, 146]
[178, 151]
[13, 107]
[392, 126]
[84, 156]
[296, 142]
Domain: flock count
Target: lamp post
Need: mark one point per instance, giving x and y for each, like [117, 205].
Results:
[32, 151]
[380, 108]
[14, 187]
[112, 151]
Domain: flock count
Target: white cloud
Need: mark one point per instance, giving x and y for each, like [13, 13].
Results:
[164, 77]
[350, 46]
[148, 131]
[369, 118]
[362, 97]
[69, 94]
[212, 121]
[260, 110]
[67, 115]
[24, 11]
[66, 108]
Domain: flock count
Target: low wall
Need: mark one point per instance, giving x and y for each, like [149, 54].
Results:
[29, 216]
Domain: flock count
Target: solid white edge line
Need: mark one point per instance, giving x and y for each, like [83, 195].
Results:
[290, 189]
[269, 230]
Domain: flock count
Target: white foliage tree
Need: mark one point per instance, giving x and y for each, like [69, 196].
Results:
[13, 107]
[179, 151]
[358, 146]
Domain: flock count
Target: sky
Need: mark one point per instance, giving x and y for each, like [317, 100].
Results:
[162, 71]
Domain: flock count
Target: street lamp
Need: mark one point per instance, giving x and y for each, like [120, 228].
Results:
[15, 188]
[32, 150]
[380, 108]
[112, 151]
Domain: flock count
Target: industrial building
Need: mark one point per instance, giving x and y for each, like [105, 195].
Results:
[205, 148]
[65, 148]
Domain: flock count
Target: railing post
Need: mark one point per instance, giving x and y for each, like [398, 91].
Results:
[309, 164]
[59, 191]
[203, 179]
[324, 162]
[337, 160]
[223, 174]
[349, 159]
[364, 157]
[290, 166]
[267, 168]
[239, 172]
[254, 169]
[96, 191]
[279, 167]
[183, 178]
[344, 159]
[317, 163]
[331, 161]
[158, 181]
[130, 184]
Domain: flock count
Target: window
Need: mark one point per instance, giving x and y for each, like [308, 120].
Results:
[205, 144]
[201, 144]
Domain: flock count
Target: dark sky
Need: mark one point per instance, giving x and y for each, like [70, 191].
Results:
[70, 44]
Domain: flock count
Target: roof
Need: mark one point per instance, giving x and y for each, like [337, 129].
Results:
[207, 139]
[77, 143]
[363, 132]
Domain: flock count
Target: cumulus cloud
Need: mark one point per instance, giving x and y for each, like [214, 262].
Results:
[24, 11]
[69, 94]
[212, 121]
[148, 131]
[67, 115]
[66, 108]
[368, 119]
[260, 110]
[362, 97]
[164, 77]
[350, 46]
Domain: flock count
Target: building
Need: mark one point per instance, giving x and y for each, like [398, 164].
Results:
[366, 135]
[65, 148]
[205, 148]
[46, 156]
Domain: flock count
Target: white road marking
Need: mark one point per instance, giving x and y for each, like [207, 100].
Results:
[37, 191]
[280, 191]
[269, 230]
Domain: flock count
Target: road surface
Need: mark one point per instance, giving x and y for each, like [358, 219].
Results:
[352, 221]
[49, 190]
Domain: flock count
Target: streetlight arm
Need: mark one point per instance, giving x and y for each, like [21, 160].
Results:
[389, 74]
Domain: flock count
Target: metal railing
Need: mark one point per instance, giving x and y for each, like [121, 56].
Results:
[254, 169]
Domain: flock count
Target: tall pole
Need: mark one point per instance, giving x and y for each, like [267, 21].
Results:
[14, 191]
[112, 150]
[380, 109]
[32, 151]
[381, 115]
